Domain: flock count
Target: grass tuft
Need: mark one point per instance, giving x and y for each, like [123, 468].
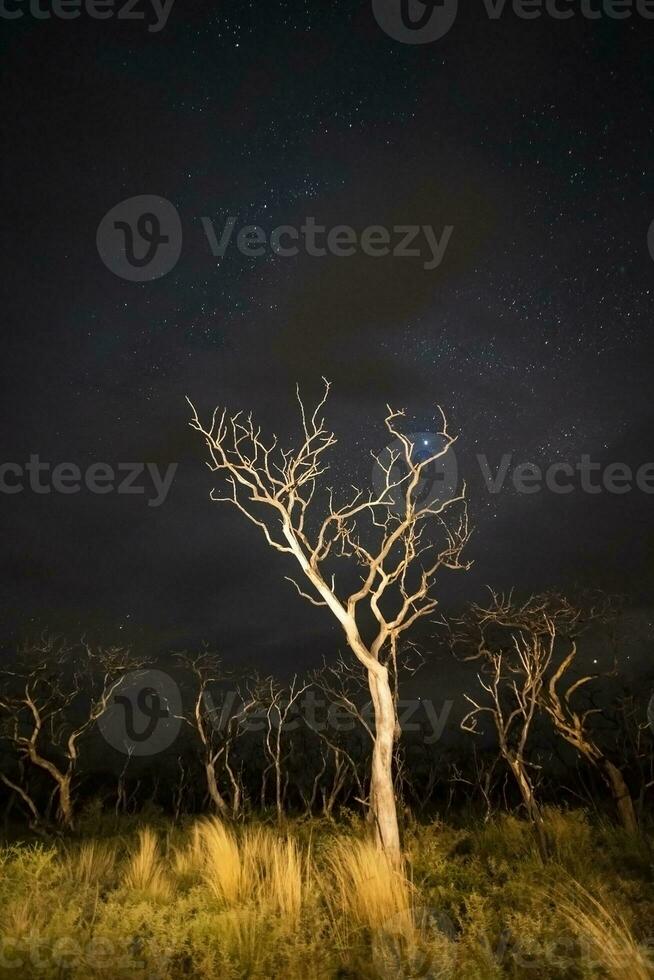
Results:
[606, 941]
[145, 872]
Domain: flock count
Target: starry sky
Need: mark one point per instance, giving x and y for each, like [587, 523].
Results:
[532, 139]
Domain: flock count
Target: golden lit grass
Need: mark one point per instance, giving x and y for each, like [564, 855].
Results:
[188, 861]
[243, 938]
[276, 871]
[145, 872]
[216, 851]
[256, 866]
[31, 879]
[605, 937]
[21, 918]
[234, 901]
[366, 891]
[92, 864]
[372, 907]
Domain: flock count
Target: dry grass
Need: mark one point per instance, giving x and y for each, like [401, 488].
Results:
[258, 866]
[244, 937]
[276, 871]
[216, 853]
[145, 872]
[19, 918]
[606, 940]
[367, 891]
[211, 900]
[92, 864]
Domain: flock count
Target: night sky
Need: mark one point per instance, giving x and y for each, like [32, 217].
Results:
[531, 138]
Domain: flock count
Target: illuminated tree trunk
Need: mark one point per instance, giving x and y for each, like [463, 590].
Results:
[214, 792]
[621, 797]
[65, 808]
[382, 793]
[531, 806]
[62, 780]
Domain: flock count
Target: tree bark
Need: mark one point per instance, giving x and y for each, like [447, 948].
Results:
[63, 784]
[532, 807]
[25, 797]
[382, 793]
[65, 805]
[621, 797]
[214, 792]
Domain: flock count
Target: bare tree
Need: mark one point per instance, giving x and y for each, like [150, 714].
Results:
[35, 818]
[572, 723]
[481, 778]
[547, 627]
[513, 679]
[392, 547]
[636, 742]
[205, 668]
[52, 695]
[122, 796]
[279, 704]
[217, 727]
[180, 788]
[342, 687]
